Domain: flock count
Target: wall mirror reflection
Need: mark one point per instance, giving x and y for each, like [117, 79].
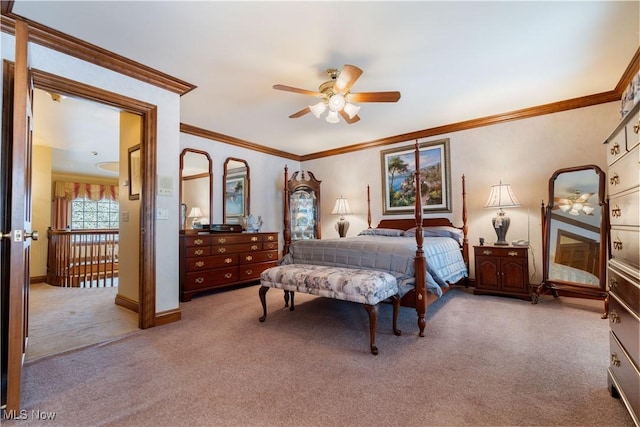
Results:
[236, 182]
[196, 189]
[575, 230]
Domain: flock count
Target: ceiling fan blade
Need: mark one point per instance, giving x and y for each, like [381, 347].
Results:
[297, 90]
[346, 118]
[584, 197]
[300, 113]
[374, 97]
[346, 78]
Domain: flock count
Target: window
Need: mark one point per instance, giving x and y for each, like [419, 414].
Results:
[91, 215]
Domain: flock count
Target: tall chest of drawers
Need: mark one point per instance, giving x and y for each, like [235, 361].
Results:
[623, 272]
[216, 260]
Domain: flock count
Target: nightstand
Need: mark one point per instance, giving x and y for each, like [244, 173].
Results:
[502, 270]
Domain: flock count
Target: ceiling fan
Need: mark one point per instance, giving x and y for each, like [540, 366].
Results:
[575, 204]
[336, 96]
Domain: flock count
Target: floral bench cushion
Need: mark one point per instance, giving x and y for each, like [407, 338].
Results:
[349, 284]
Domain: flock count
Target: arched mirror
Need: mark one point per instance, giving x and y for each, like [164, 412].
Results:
[575, 233]
[196, 189]
[236, 201]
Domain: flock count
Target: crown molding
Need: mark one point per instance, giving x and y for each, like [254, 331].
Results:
[80, 49]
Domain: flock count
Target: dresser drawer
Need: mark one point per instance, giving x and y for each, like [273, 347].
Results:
[624, 209]
[209, 262]
[507, 251]
[262, 256]
[200, 240]
[253, 271]
[270, 237]
[211, 278]
[633, 130]
[626, 375]
[197, 251]
[626, 326]
[237, 248]
[625, 245]
[625, 288]
[616, 146]
[623, 174]
[232, 239]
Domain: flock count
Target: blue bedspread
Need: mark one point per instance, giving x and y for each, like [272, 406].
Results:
[395, 255]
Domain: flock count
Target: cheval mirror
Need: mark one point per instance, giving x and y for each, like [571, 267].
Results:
[236, 190]
[575, 231]
[196, 189]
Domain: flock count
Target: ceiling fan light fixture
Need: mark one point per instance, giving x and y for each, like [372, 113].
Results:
[318, 109]
[351, 109]
[588, 210]
[564, 208]
[337, 102]
[332, 117]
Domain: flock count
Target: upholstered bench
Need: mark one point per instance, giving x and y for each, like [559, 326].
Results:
[367, 287]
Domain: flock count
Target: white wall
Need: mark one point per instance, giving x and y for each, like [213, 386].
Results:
[523, 153]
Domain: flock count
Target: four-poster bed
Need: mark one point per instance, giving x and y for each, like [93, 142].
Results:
[424, 267]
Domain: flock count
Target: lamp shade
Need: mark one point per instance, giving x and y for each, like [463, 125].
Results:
[501, 196]
[341, 207]
[195, 212]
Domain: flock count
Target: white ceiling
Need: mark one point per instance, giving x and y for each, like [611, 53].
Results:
[452, 61]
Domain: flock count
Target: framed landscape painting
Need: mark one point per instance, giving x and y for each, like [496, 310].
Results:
[398, 177]
[234, 199]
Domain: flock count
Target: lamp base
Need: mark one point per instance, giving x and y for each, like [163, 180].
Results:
[501, 225]
[341, 227]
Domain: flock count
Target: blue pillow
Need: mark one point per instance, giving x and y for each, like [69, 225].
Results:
[388, 232]
[438, 231]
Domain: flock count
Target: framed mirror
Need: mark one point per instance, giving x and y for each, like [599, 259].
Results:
[236, 190]
[196, 189]
[575, 231]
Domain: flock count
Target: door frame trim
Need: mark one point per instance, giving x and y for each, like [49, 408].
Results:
[148, 112]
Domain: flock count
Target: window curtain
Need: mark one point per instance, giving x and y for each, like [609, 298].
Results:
[65, 192]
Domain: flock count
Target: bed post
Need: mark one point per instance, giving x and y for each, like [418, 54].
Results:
[287, 220]
[465, 225]
[420, 260]
[368, 207]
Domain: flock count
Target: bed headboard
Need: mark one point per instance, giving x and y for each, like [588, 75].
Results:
[407, 223]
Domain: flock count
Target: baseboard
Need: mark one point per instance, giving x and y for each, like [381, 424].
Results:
[127, 303]
[168, 316]
[38, 279]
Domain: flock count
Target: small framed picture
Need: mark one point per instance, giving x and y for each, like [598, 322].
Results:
[135, 172]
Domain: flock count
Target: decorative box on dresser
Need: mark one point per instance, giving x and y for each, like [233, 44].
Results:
[623, 271]
[216, 260]
[502, 270]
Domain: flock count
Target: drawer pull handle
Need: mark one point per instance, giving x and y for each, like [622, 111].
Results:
[199, 252]
[617, 244]
[222, 250]
[228, 275]
[270, 238]
[228, 260]
[615, 149]
[616, 212]
[513, 253]
[636, 127]
[613, 283]
[249, 272]
[199, 263]
[248, 258]
[198, 241]
[270, 256]
[199, 280]
[486, 252]
[254, 239]
[254, 247]
[614, 360]
[615, 179]
[222, 240]
[613, 316]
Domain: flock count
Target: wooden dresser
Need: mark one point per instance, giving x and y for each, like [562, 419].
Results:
[209, 261]
[623, 273]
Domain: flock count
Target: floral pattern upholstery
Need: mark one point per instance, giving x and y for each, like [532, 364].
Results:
[349, 284]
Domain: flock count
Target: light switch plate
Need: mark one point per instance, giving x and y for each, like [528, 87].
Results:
[162, 213]
[165, 185]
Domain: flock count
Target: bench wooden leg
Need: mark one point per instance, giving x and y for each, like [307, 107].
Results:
[373, 321]
[396, 311]
[263, 299]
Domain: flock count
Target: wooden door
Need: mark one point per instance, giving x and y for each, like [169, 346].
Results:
[16, 215]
